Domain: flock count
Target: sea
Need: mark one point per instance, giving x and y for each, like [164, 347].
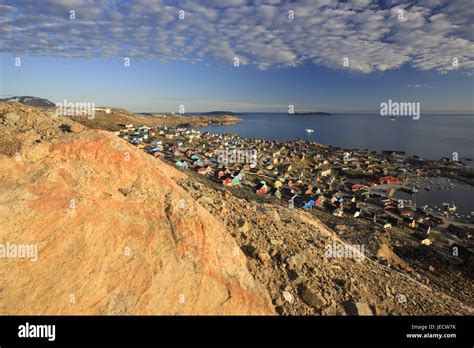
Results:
[430, 136]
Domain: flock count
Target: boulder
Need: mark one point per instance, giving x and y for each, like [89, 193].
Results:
[264, 256]
[11, 117]
[288, 297]
[358, 308]
[244, 226]
[76, 127]
[312, 298]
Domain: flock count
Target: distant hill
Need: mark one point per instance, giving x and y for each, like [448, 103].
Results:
[32, 101]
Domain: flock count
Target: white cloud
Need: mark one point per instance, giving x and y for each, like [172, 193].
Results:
[372, 36]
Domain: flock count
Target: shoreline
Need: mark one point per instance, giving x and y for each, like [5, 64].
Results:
[401, 166]
[283, 246]
[367, 215]
[332, 132]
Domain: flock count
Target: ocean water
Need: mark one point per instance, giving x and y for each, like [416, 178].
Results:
[431, 136]
[462, 194]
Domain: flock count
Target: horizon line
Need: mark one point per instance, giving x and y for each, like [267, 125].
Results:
[431, 112]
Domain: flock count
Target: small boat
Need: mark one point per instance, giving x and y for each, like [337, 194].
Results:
[427, 188]
[309, 130]
[450, 207]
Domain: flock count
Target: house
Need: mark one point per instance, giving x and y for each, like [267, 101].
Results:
[357, 187]
[227, 181]
[405, 212]
[262, 191]
[388, 179]
[204, 170]
[424, 228]
[325, 172]
[457, 230]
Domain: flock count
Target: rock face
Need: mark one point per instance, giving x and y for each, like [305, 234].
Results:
[115, 235]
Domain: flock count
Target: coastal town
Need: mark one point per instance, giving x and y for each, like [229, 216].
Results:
[337, 184]
[322, 230]
[172, 163]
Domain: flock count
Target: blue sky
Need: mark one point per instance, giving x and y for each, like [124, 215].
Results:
[395, 51]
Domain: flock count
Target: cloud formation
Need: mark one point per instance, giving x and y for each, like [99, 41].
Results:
[359, 35]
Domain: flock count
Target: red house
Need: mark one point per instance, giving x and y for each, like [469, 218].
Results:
[227, 181]
[357, 187]
[388, 179]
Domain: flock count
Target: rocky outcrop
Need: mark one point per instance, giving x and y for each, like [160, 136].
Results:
[114, 233]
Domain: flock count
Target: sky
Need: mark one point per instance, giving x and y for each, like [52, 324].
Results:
[240, 55]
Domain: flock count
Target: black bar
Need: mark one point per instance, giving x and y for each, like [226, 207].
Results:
[240, 330]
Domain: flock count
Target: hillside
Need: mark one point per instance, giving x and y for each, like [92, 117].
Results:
[121, 232]
[119, 117]
[115, 118]
[286, 251]
[115, 233]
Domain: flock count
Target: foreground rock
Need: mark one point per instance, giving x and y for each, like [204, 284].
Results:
[115, 233]
[358, 308]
